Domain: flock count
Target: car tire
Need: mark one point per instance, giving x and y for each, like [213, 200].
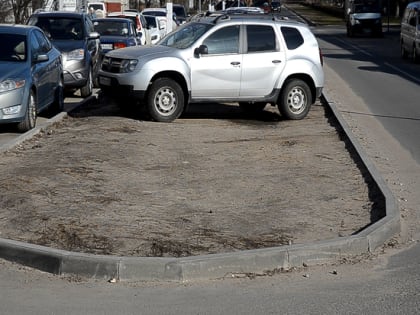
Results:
[29, 121]
[252, 107]
[86, 90]
[165, 100]
[58, 104]
[295, 99]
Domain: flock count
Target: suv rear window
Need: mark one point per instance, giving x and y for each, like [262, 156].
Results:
[292, 37]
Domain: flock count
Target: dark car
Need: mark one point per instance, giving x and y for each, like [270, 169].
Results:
[180, 13]
[116, 33]
[31, 75]
[275, 6]
[74, 35]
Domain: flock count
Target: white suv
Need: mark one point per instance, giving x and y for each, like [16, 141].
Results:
[250, 60]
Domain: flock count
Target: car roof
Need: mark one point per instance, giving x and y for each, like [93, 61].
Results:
[124, 13]
[154, 9]
[110, 19]
[414, 5]
[59, 14]
[218, 17]
[16, 28]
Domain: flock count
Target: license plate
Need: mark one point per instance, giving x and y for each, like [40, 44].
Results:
[104, 81]
[106, 46]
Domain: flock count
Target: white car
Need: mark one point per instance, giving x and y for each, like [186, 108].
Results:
[161, 14]
[140, 21]
[254, 61]
[157, 28]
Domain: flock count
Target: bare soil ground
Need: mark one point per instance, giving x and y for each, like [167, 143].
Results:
[215, 180]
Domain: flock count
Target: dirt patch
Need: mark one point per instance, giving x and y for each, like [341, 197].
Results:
[213, 181]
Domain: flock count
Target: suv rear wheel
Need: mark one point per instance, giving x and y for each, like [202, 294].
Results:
[295, 99]
[165, 100]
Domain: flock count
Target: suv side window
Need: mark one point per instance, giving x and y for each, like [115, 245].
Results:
[261, 38]
[292, 37]
[223, 41]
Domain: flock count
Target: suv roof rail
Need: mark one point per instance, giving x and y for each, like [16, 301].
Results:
[222, 16]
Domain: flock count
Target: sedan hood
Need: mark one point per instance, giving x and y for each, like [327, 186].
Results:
[10, 70]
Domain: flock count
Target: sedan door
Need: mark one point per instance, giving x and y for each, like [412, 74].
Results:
[43, 72]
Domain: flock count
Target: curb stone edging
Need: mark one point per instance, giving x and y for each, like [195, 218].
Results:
[213, 266]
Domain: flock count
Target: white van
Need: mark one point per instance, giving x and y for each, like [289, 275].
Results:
[99, 8]
[410, 31]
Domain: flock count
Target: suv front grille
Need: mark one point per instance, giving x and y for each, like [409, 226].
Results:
[112, 65]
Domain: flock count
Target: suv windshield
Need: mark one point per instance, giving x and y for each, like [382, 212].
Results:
[186, 35]
[61, 28]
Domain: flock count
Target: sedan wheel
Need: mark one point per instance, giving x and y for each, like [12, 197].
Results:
[30, 116]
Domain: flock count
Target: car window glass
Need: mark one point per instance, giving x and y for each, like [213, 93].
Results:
[185, 35]
[110, 28]
[223, 41]
[13, 47]
[44, 43]
[292, 37]
[261, 38]
[61, 28]
[35, 46]
[412, 19]
[151, 21]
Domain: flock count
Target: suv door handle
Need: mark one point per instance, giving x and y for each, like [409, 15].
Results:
[235, 63]
[276, 61]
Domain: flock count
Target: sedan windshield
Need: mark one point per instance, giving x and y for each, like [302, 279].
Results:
[185, 35]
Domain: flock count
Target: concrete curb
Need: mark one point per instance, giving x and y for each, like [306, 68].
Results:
[259, 261]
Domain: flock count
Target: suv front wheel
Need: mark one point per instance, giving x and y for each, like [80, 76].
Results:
[165, 100]
[295, 99]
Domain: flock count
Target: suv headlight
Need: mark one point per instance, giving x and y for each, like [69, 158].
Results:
[11, 84]
[128, 65]
[77, 54]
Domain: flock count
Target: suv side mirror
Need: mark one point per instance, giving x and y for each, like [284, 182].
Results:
[202, 50]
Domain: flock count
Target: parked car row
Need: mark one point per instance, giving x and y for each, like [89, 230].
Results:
[60, 51]
[255, 61]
